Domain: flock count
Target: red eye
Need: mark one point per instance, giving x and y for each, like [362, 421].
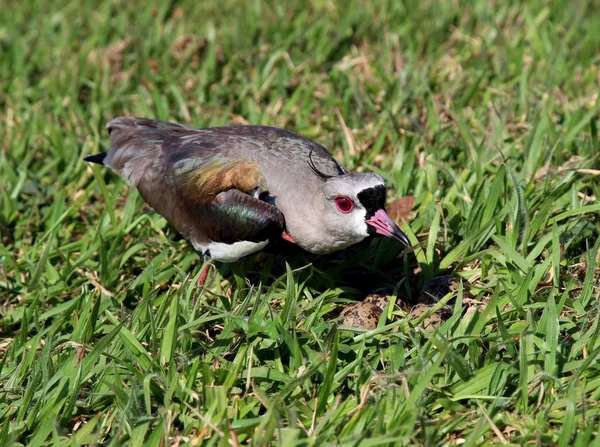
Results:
[344, 204]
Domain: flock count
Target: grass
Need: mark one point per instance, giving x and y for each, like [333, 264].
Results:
[486, 112]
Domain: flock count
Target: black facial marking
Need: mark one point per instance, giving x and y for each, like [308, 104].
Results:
[372, 199]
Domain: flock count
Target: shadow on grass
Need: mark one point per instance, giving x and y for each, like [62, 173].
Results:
[359, 270]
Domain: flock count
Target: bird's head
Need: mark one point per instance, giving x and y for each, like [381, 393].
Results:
[354, 209]
[349, 208]
[346, 208]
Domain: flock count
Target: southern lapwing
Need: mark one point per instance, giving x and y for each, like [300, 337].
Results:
[232, 190]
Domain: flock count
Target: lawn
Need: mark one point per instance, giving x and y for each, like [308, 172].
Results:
[486, 112]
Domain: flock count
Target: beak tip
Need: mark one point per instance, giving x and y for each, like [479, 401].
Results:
[385, 226]
[401, 237]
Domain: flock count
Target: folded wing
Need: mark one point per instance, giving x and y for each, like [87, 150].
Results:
[182, 174]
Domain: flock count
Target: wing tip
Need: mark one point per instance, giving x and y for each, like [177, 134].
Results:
[96, 158]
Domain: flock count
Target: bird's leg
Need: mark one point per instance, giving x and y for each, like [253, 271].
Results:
[205, 270]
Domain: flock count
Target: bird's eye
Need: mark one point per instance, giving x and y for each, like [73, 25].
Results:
[344, 204]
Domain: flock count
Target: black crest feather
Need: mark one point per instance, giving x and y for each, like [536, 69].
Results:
[319, 174]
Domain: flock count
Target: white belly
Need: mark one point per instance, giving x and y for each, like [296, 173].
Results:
[230, 252]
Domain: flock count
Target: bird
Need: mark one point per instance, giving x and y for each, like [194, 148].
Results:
[232, 190]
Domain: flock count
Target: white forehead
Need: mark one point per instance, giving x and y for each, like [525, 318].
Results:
[352, 183]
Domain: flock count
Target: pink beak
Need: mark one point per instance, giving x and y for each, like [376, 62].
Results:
[385, 226]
